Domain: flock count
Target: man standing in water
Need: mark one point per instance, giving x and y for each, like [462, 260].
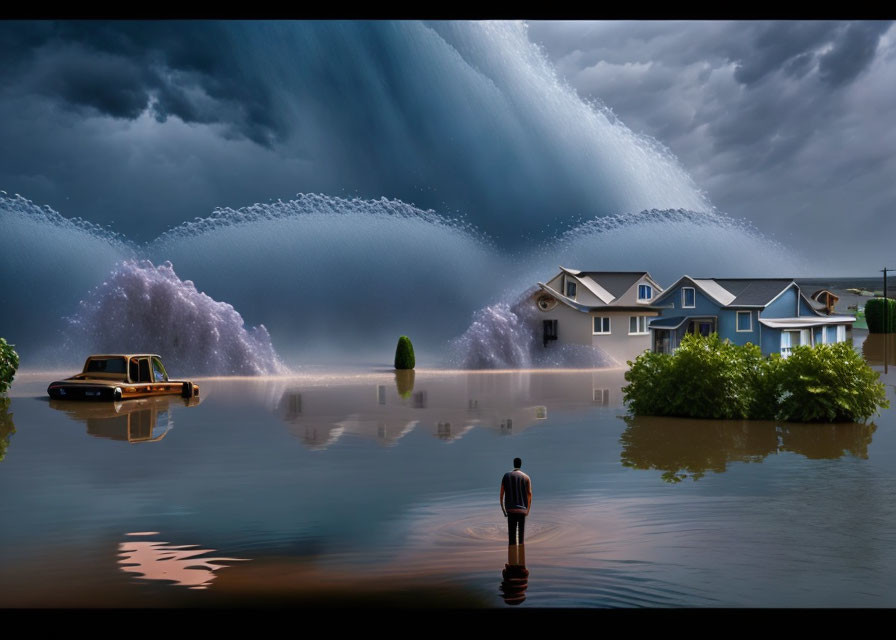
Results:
[516, 499]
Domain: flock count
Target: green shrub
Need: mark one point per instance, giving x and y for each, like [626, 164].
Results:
[709, 378]
[876, 311]
[404, 354]
[829, 383]
[704, 378]
[9, 362]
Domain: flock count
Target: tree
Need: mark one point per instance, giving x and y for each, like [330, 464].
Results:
[404, 354]
[9, 362]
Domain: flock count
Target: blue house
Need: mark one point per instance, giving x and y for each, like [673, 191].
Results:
[770, 312]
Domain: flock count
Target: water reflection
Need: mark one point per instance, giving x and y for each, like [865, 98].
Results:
[180, 564]
[680, 447]
[140, 420]
[880, 348]
[448, 407]
[404, 382]
[7, 428]
[515, 574]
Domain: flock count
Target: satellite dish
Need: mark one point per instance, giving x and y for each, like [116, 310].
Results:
[546, 302]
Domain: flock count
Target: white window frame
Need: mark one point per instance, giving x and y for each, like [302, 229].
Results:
[737, 328]
[640, 320]
[601, 333]
[683, 304]
[649, 293]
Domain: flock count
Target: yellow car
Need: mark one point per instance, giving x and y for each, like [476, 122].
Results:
[116, 377]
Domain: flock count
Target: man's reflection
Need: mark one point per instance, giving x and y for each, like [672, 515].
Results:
[515, 574]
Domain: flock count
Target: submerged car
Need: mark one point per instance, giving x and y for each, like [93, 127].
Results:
[116, 377]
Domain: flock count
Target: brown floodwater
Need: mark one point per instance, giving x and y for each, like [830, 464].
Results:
[363, 488]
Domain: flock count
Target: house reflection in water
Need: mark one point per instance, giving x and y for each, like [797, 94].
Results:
[682, 447]
[140, 420]
[185, 565]
[447, 406]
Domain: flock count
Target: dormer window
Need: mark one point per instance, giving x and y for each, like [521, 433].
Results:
[570, 289]
[645, 292]
[688, 298]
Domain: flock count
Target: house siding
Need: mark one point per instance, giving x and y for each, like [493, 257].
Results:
[784, 307]
[771, 341]
[703, 306]
[805, 308]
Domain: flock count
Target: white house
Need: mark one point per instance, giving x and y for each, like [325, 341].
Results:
[606, 309]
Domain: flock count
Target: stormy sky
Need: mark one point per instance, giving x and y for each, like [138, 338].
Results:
[141, 126]
[789, 124]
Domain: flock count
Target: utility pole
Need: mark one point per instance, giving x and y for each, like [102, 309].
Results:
[886, 321]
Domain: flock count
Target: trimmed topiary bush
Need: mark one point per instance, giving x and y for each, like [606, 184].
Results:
[9, 362]
[876, 311]
[709, 378]
[404, 354]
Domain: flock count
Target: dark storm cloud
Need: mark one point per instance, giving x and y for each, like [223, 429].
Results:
[788, 124]
[851, 52]
[189, 70]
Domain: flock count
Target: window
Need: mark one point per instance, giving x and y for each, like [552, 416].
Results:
[744, 321]
[601, 325]
[570, 289]
[158, 371]
[688, 298]
[841, 333]
[601, 397]
[645, 292]
[637, 325]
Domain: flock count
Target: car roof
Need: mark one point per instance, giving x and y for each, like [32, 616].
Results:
[124, 355]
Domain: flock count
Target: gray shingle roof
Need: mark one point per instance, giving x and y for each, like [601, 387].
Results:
[616, 282]
[756, 292]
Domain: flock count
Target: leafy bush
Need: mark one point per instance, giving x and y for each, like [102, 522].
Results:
[876, 311]
[709, 378]
[9, 362]
[404, 354]
[829, 383]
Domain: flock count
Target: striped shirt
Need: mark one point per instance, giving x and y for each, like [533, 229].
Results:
[517, 486]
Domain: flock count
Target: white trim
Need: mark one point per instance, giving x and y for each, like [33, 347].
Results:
[594, 287]
[737, 328]
[687, 306]
[715, 290]
[602, 333]
[640, 320]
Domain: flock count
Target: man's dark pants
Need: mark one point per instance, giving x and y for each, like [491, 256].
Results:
[515, 520]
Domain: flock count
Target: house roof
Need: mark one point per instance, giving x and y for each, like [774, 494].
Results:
[753, 292]
[737, 292]
[609, 285]
[804, 321]
[667, 322]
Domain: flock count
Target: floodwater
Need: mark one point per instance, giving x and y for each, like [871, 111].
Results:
[365, 488]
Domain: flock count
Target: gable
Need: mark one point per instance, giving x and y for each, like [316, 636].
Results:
[784, 306]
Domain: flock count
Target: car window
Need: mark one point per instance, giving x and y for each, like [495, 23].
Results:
[106, 365]
[158, 371]
[145, 373]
